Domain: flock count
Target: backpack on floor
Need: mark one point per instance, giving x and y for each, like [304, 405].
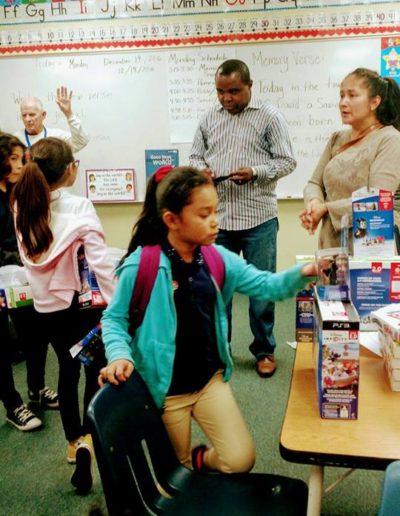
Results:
[146, 276]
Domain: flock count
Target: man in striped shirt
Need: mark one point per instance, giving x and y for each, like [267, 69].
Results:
[246, 142]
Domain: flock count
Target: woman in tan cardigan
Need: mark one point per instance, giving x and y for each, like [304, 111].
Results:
[367, 154]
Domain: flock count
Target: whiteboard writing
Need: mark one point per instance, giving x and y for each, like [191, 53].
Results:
[136, 100]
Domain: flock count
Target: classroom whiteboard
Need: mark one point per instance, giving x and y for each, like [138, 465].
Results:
[136, 100]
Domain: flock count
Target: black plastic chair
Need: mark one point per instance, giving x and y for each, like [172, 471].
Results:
[141, 474]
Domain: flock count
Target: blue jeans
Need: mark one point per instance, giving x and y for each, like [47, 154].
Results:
[258, 246]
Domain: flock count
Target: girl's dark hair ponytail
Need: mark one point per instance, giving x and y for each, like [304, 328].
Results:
[32, 196]
[49, 159]
[148, 230]
[172, 194]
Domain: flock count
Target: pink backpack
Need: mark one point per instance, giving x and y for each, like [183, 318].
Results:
[146, 276]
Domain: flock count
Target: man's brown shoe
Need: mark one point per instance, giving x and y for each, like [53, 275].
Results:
[266, 366]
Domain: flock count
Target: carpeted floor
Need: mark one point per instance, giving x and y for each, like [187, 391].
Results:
[35, 475]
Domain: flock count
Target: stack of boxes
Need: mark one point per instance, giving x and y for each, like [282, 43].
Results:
[374, 270]
[388, 322]
[374, 281]
[336, 338]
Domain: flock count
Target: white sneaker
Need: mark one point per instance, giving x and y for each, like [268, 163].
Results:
[23, 419]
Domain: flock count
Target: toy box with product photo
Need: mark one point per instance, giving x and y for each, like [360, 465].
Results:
[89, 295]
[304, 307]
[336, 358]
[374, 283]
[333, 274]
[15, 291]
[373, 225]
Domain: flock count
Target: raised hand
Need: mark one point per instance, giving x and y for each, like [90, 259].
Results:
[64, 100]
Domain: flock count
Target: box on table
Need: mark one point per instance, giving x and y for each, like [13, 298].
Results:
[304, 307]
[374, 283]
[304, 315]
[336, 358]
[373, 223]
[388, 322]
[333, 282]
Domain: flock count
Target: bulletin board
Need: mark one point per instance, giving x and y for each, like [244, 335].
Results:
[135, 93]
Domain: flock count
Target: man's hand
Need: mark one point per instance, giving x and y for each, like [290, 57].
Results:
[64, 100]
[241, 175]
[116, 372]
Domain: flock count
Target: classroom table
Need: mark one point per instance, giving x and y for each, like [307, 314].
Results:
[371, 442]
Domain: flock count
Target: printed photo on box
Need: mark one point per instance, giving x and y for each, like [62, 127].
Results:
[373, 224]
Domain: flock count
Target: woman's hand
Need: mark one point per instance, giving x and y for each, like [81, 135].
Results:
[116, 372]
[312, 214]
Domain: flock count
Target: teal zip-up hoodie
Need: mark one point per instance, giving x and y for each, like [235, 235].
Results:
[152, 350]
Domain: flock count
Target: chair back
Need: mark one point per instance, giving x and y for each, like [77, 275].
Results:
[390, 498]
[135, 458]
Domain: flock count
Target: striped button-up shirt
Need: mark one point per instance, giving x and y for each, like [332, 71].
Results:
[257, 137]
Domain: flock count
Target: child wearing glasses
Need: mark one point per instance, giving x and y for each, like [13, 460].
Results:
[51, 225]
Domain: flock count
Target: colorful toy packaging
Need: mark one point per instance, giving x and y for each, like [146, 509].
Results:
[333, 274]
[14, 291]
[374, 282]
[373, 225]
[304, 315]
[388, 322]
[304, 307]
[89, 295]
[336, 358]
[90, 347]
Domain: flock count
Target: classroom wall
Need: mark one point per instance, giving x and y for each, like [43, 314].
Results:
[118, 221]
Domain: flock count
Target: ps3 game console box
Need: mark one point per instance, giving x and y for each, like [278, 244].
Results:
[336, 358]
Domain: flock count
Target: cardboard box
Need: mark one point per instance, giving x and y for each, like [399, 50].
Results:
[336, 358]
[388, 322]
[14, 291]
[304, 316]
[304, 307]
[374, 283]
[15, 297]
[373, 224]
[89, 295]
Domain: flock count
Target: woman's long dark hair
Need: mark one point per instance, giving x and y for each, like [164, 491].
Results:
[388, 111]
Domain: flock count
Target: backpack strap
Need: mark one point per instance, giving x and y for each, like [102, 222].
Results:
[215, 264]
[145, 279]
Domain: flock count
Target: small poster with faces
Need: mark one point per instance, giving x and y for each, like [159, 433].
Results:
[111, 185]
